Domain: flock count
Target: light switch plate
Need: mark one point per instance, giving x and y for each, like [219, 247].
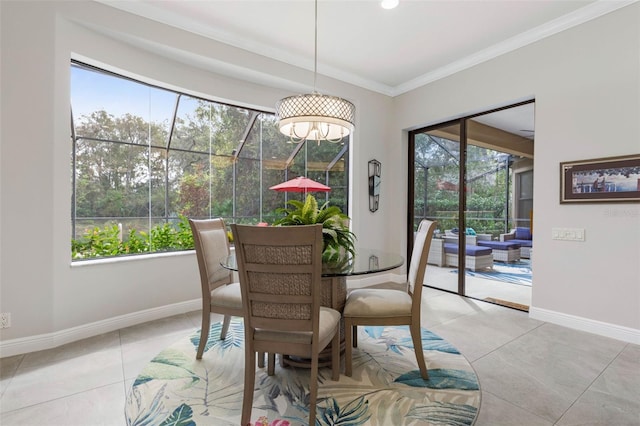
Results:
[568, 234]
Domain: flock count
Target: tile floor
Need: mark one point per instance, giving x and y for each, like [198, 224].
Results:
[531, 372]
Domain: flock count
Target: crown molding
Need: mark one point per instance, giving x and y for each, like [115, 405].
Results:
[580, 16]
[150, 11]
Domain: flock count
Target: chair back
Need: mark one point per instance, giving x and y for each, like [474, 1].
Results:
[419, 257]
[280, 276]
[212, 246]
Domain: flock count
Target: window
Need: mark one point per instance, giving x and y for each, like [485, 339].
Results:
[144, 158]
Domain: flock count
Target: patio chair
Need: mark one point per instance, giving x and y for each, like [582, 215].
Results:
[392, 307]
[522, 236]
[280, 277]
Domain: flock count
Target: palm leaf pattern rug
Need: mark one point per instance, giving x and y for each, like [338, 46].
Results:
[385, 389]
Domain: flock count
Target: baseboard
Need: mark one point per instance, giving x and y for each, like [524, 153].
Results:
[51, 340]
[618, 332]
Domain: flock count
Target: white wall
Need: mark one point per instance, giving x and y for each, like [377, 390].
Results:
[586, 86]
[586, 83]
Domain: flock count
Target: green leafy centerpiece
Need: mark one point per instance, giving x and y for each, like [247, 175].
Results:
[339, 241]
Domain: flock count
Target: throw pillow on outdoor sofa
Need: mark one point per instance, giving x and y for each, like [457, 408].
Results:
[523, 234]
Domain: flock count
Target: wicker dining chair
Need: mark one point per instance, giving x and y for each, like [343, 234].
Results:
[280, 277]
[391, 307]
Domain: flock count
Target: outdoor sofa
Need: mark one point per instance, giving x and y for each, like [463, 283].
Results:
[444, 252]
[503, 251]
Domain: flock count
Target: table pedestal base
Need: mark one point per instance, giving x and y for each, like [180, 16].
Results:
[333, 295]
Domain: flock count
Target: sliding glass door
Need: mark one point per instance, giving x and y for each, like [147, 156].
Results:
[473, 176]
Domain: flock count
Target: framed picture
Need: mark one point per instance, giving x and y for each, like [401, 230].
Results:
[613, 179]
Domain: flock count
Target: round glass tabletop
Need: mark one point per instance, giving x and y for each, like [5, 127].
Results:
[366, 261]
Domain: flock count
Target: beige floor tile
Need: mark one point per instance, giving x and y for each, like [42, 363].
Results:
[622, 376]
[79, 349]
[614, 398]
[482, 332]
[61, 378]
[152, 329]
[547, 369]
[195, 317]
[495, 411]
[8, 367]
[103, 406]
[595, 408]
[447, 307]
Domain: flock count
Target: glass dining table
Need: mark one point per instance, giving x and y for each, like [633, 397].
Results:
[334, 290]
[334, 284]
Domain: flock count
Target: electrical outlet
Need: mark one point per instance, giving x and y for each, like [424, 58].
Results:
[5, 320]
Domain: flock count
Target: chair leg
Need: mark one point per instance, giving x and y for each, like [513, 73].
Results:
[249, 383]
[313, 389]
[225, 327]
[204, 332]
[417, 346]
[348, 341]
[271, 365]
[335, 355]
[355, 336]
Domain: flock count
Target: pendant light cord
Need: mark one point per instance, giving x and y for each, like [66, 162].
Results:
[315, 47]
[315, 116]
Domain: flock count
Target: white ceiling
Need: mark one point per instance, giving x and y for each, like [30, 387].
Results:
[359, 42]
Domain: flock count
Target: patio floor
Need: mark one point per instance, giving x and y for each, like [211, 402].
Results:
[476, 287]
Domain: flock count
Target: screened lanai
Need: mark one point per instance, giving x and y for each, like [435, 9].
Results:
[488, 185]
[145, 157]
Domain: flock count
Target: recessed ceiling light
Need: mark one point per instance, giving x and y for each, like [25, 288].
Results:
[389, 4]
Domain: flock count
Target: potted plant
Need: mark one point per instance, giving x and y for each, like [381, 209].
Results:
[338, 240]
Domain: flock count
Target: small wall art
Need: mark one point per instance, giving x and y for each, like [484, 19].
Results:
[612, 179]
[375, 170]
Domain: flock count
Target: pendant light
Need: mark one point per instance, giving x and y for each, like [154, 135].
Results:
[314, 116]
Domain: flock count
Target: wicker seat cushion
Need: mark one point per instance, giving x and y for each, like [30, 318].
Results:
[377, 302]
[469, 249]
[500, 245]
[329, 319]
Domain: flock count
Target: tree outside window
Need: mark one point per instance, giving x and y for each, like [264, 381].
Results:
[144, 159]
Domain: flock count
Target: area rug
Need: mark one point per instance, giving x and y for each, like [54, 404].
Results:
[385, 388]
[512, 272]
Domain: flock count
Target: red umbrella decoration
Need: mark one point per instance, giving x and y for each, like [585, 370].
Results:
[300, 184]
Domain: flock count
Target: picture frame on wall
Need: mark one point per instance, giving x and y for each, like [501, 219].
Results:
[612, 179]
